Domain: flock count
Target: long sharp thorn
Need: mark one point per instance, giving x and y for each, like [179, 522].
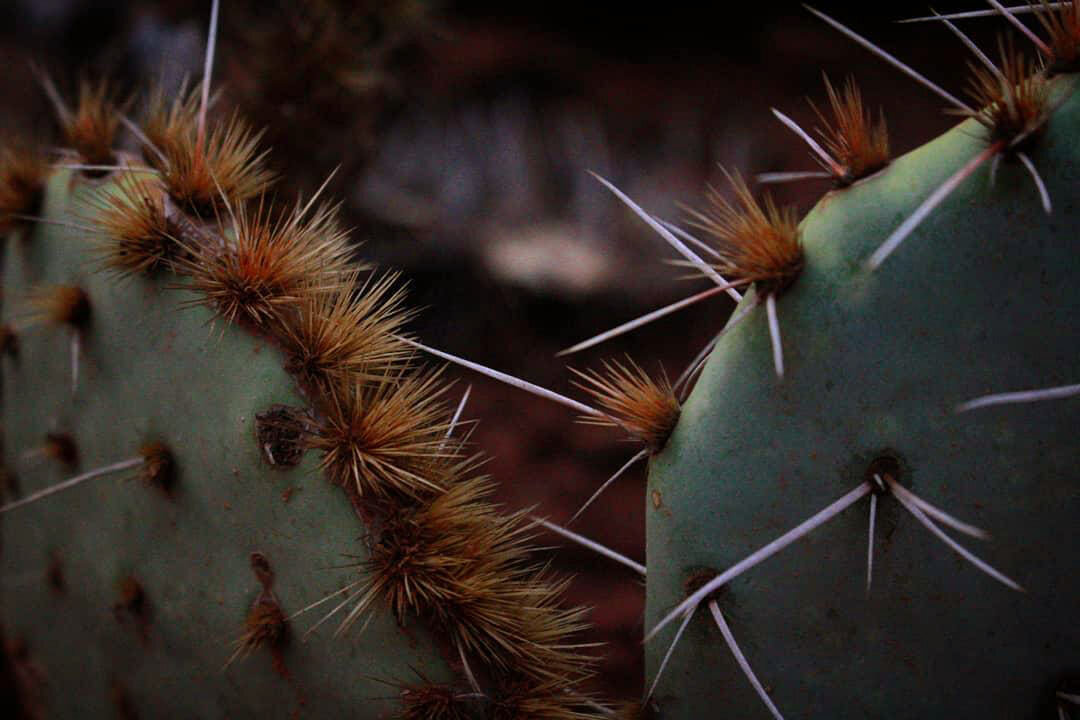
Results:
[318, 192]
[729, 638]
[454, 420]
[955, 546]
[208, 67]
[737, 317]
[52, 93]
[994, 165]
[50, 221]
[97, 472]
[618, 473]
[764, 553]
[1061, 713]
[106, 168]
[337, 608]
[1073, 698]
[509, 379]
[785, 177]
[870, 544]
[667, 655]
[1043, 47]
[458, 411]
[665, 233]
[468, 672]
[684, 235]
[970, 45]
[940, 515]
[329, 597]
[814, 145]
[695, 365]
[592, 545]
[141, 137]
[774, 334]
[970, 14]
[1044, 194]
[1024, 396]
[895, 62]
[929, 205]
[641, 321]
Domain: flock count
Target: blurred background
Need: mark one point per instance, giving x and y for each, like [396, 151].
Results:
[464, 132]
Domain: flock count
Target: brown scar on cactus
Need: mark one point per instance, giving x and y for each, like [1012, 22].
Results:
[279, 431]
[132, 602]
[156, 468]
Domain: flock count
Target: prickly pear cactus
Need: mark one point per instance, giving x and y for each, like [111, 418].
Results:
[137, 590]
[221, 442]
[981, 298]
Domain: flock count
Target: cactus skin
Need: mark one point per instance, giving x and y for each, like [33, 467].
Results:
[982, 298]
[152, 370]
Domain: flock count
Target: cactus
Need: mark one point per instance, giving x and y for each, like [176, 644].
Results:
[979, 298]
[153, 371]
[191, 373]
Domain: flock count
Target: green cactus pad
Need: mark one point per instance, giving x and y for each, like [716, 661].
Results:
[982, 298]
[153, 371]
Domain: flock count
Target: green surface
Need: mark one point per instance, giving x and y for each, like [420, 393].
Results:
[151, 370]
[982, 298]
